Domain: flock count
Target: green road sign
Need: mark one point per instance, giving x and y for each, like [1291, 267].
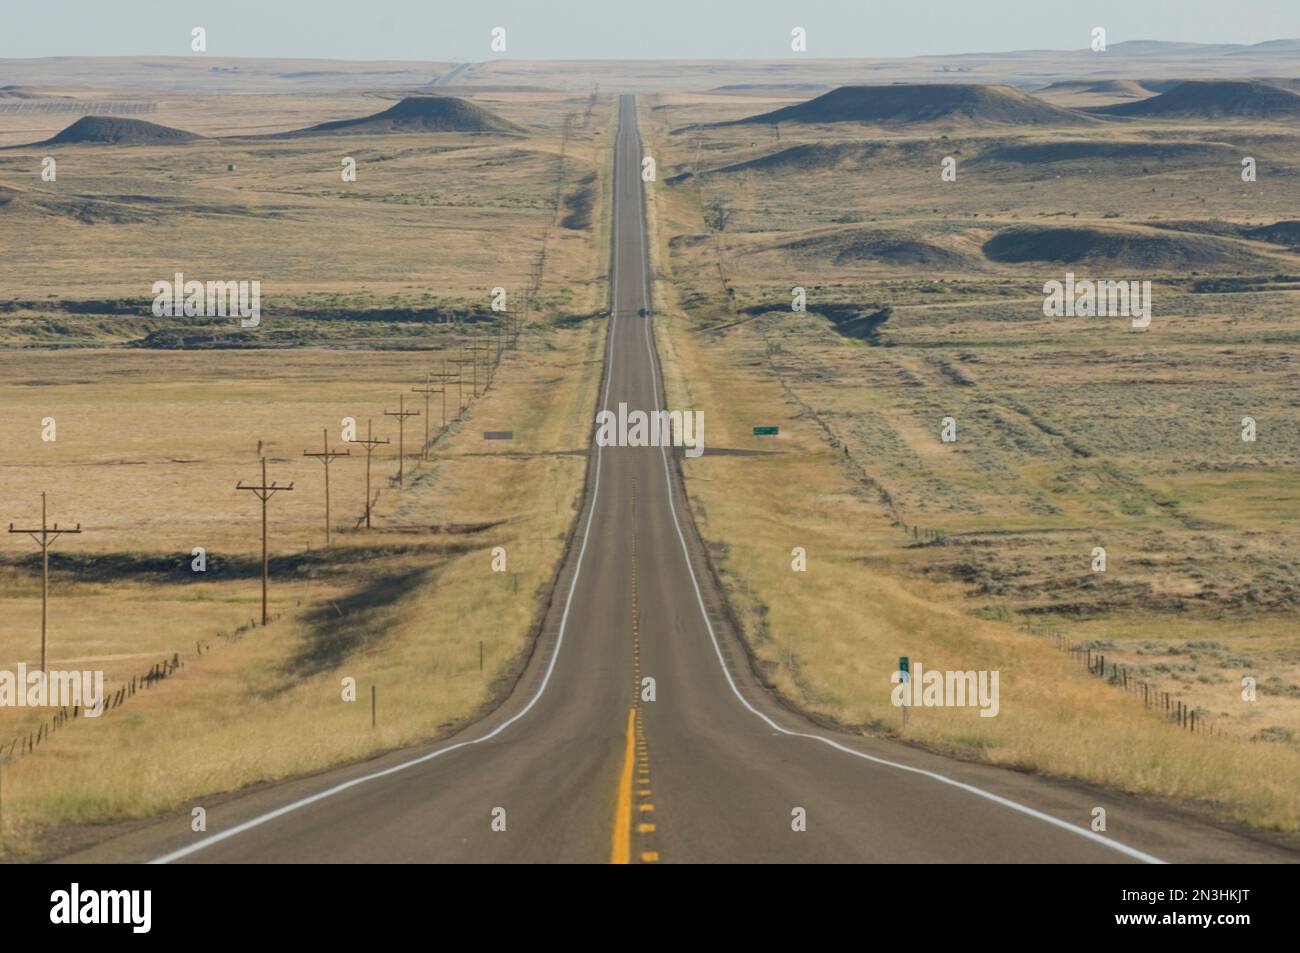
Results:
[766, 431]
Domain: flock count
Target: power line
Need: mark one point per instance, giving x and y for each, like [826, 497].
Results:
[487, 375]
[401, 413]
[264, 492]
[327, 456]
[45, 537]
[426, 390]
[369, 443]
[445, 378]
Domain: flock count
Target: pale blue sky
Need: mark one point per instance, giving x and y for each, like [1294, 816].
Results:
[617, 29]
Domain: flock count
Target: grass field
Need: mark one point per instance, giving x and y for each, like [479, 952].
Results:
[410, 620]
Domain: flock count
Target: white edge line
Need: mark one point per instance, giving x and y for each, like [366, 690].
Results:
[559, 640]
[970, 788]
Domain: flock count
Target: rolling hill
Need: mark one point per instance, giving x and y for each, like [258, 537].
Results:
[1120, 248]
[1214, 99]
[920, 102]
[421, 114]
[111, 130]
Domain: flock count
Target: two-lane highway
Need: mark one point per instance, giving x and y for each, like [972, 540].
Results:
[711, 770]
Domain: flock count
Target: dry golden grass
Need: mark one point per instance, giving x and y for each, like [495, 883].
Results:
[433, 219]
[267, 705]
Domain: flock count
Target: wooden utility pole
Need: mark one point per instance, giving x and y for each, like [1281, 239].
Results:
[473, 353]
[264, 491]
[534, 285]
[445, 378]
[401, 413]
[460, 382]
[460, 364]
[487, 379]
[426, 390]
[491, 357]
[45, 537]
[369, 443]
[327, 457]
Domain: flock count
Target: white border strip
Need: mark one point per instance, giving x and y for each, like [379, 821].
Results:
[970, 788]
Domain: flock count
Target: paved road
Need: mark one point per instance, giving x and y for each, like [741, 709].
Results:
[711, 770]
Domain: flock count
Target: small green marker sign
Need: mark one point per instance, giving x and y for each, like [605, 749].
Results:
[905, 677]
[766, 431]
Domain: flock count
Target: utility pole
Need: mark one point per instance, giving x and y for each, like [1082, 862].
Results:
[426, 390]
[534, 285]
[460, 375]
[45, 537]
[487, 378]
[460, 383]
[327, 457]
[473, 353]
[401, 413]
[369, 443]
[264, 491]
[445, 379]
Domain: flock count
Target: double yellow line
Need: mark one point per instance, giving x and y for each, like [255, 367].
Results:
[634, 762]
[621, 851]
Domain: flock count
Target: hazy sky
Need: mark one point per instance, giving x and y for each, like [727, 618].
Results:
[599, 29]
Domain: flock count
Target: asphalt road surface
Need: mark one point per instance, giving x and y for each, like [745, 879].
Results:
[712, 770]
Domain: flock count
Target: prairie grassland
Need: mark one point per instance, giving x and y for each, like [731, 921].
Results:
[1073, 433]
[431, 220]
[403, 607]
[151, 443]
